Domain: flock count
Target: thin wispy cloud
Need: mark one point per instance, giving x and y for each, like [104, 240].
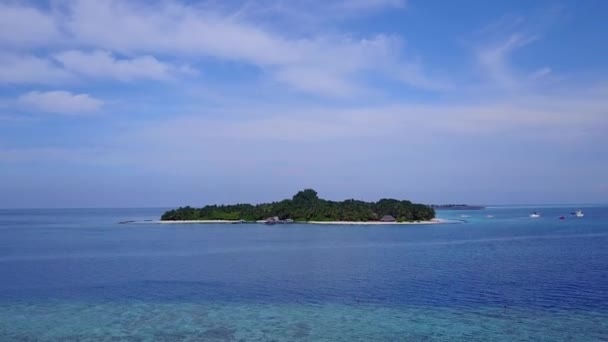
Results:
[102, 64]
[22, 26]
[24, 68]
[496, 59]
[60, 102]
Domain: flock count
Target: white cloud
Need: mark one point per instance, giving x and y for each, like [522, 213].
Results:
[192, 31]
[102, 64]
[22, 26]
[189, 31]
[66, 66]
[60, 102]
[173, 28]
[23, 68]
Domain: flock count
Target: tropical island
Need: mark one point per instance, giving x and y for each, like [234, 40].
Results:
[306, 206]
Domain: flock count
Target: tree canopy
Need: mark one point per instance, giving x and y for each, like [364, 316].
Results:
[307, 206]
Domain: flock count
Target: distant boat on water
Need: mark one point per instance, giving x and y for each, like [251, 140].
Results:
[579, 213]
[535, 215]
[277, 220]
[272, 220]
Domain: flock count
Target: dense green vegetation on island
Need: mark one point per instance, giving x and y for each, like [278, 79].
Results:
[307, 206]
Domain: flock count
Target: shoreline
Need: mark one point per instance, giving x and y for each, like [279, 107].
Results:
[341, 223]
[379, 223]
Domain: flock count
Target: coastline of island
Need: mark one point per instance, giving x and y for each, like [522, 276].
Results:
[343, 223]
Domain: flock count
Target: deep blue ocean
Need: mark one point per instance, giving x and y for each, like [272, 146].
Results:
[78, 275]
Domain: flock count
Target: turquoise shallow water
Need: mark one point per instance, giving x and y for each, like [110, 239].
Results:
[77, 275]
[145, 321]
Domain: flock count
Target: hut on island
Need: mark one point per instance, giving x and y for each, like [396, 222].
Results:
[387, 218]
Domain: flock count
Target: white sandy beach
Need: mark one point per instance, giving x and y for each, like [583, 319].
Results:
[357, 223]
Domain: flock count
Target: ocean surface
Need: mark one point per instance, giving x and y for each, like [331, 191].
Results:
[78, 275]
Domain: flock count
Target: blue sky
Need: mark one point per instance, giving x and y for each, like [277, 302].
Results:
[163, 103]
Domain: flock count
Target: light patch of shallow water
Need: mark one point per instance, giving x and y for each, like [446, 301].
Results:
[94, 321]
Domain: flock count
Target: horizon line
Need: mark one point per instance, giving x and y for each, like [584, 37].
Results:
[178, 206]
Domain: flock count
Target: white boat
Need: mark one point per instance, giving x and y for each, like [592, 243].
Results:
[579, 213]
[535, 215]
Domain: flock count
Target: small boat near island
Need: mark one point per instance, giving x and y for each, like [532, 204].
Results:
[277, 220]
[535, 215]
[578, 213]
